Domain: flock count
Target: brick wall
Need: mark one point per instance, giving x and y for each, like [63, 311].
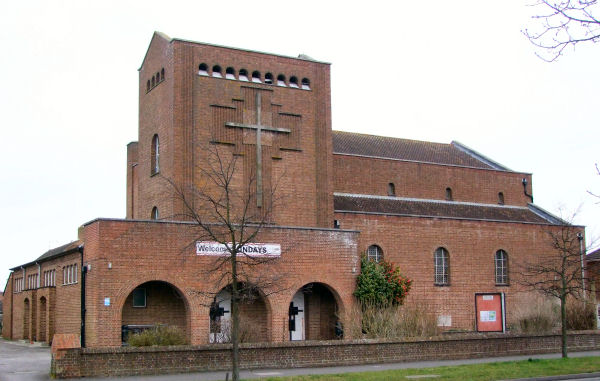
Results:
[188, 111]
[411, 243]
[7, 314]
[125, 254]
[108, 362]
[62, 309]
[428, 181]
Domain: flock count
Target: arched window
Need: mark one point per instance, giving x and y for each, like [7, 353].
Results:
[230, 73]
[148, 86]
[305, 84]
[162, 74]
[203, 69]
[281, 80]
[243, 75]
[391, 189]
[157, 78]
[154, 159]
[269, 79]
[500, 198]
[294, 82]
[441, 263]
[501, 265]
[154, 214]
[153, 81]
[448, 194]
[256, 76]
[216, 71]
[374, 253]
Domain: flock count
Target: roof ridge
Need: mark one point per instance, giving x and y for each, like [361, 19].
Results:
[391, 137]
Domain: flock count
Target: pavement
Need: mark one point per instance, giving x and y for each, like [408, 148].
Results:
[21, 361]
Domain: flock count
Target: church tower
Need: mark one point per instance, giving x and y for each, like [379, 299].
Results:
[273, 113]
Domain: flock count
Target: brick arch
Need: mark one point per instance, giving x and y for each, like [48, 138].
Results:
[338, 307]
[259, 314]
[155, 287]
[43, 320]
[338, 299]
[26, 318]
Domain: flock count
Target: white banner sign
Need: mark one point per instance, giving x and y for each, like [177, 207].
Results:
[249, 249]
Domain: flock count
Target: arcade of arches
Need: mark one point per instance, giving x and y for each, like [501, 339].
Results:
[313, 313]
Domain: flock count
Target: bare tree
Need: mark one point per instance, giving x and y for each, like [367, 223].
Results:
[229, 220]
[590, 192]
[563, 23]
[560, 271]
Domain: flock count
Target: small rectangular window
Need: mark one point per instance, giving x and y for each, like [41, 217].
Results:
[139, 297]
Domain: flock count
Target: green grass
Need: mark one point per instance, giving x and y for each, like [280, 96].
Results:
[490, 371]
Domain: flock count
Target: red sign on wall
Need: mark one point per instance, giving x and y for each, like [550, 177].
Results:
[490, 312]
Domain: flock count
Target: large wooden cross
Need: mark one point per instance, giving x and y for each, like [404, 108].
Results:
[259, 127]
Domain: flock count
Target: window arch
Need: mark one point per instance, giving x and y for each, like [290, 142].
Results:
[203, 69]
[441, 262]
[500, 198]
[243, 75]
[154, 159]
[501, 266]
[153, 81]
[162, 74]
[230, 73]
[154, 215]
[157, 77]
[256, 76]
[305, 84]
[449, 194]
[281, 80]
[269, 79]
[391, 189]
[216, 71]
[374, 253]
[294, 82]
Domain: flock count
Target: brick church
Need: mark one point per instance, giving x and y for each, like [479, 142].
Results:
[454, 220]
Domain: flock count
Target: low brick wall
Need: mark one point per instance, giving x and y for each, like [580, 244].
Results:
[121, 361]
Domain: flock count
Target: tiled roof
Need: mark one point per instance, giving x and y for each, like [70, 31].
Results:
[58, 251]
[593, 256]
[403, 149]
[72, 246]
[433, 208]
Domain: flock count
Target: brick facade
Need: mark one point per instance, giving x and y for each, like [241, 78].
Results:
[335, 194]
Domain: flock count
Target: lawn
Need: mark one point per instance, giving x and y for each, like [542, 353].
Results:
[489, 371]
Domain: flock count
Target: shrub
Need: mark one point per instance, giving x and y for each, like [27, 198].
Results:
[250, 332]
[535, 314]
[580, 315]
[158, 335]
[391, 322]
[380, 284]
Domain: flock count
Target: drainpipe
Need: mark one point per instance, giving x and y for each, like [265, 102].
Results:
[524, 181]
[12, 306]
[83, 274]
[580, 238]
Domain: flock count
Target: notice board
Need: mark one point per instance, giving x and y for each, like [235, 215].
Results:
[489, 310]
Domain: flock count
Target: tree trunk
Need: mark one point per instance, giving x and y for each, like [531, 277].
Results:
[235, 314]
[563, 325]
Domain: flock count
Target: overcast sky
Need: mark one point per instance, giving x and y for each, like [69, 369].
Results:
[427, 70]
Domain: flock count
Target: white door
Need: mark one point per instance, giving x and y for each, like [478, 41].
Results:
[296, 318]
[220, 324]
